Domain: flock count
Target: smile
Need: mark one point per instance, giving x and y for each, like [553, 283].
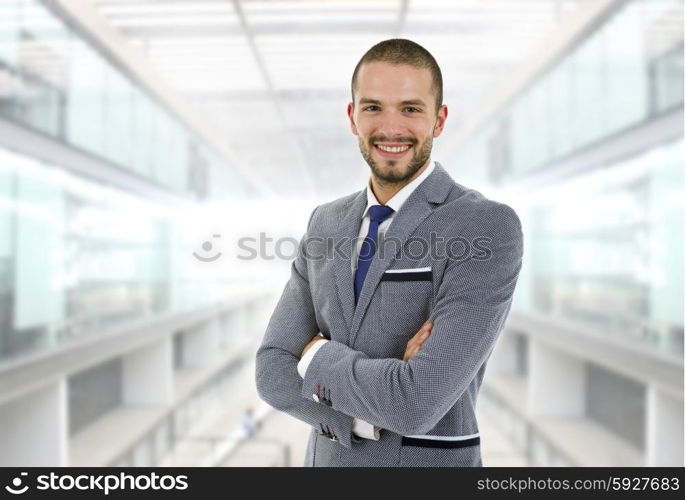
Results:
[394, 150]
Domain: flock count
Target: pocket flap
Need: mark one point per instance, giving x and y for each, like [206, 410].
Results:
[414, 274]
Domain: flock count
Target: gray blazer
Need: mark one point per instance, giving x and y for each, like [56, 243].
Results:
[426, 406]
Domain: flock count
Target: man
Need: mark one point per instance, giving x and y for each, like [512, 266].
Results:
[382, 348]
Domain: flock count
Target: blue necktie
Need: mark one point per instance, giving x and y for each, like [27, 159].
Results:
[368, 249]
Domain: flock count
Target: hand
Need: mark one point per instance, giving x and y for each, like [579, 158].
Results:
[311, 343]
[415, 343]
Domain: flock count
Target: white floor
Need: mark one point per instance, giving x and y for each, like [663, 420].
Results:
[281, 430]
[281, 439]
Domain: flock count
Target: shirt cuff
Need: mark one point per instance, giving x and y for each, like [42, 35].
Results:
[308, 356]
[365, 429]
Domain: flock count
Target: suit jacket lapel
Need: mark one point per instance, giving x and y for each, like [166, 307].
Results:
[348, 229]
[416, 208]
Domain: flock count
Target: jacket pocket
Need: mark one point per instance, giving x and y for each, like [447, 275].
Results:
[406, 300]
[421, 452]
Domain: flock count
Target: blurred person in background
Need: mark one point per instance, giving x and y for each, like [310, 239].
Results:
[382, 346]
[251, 424]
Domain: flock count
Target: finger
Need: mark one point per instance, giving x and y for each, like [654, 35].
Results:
[407, 352]
[418, 339]
[422, 337]
[417, 347]
[412, 352]
[424, 328]
[411, 349]
[417, 335]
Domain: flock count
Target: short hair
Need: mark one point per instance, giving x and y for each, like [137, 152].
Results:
[399, 51]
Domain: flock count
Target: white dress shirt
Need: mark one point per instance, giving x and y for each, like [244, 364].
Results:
[395, 203]
[360, 427]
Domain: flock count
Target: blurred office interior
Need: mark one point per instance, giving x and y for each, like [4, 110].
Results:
[159, 160]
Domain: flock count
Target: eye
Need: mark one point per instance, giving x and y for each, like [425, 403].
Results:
[412, 109]
[368, 108]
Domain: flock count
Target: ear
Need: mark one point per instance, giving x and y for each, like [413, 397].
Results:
[440, 121]
[350, 115]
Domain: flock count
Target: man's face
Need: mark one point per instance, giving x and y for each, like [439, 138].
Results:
[395, 120]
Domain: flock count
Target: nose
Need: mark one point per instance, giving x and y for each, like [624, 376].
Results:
[391, 125]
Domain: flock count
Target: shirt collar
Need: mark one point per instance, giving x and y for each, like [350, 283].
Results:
[399, 197]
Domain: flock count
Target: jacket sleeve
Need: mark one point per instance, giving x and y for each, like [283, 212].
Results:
[469, 310]
[291, 327]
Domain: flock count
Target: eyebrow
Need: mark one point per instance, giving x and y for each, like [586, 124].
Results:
[411, 102]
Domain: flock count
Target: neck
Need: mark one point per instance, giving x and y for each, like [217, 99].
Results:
[384, 191]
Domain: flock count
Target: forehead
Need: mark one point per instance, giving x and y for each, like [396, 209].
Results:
[379, 80]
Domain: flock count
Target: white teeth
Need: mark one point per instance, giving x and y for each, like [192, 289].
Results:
[394, 149]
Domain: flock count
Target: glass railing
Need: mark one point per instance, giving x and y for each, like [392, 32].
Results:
[606, 249]
[630, 69]
[55, 81]
[78, 258]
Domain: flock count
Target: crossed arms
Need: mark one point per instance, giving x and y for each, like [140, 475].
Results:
[407, 397]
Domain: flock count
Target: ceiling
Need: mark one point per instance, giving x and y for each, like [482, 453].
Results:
[274, 75]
